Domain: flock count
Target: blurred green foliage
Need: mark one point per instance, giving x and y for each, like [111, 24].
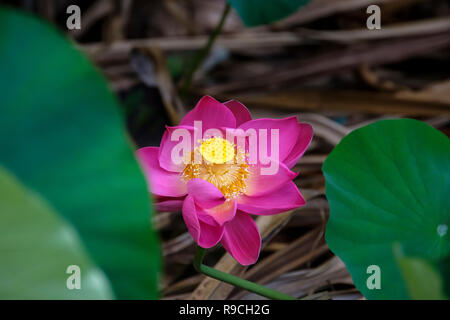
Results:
[423, 280]
[62, 136]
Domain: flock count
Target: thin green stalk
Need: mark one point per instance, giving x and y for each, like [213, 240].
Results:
[204, 52]
[236, 281]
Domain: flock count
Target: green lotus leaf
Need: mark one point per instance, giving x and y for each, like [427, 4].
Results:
[388, 182]
[256, 12]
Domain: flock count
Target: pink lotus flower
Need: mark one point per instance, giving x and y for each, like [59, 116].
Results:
[218, 194]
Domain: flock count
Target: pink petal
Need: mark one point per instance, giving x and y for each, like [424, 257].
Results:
[240, 111]
[303, 140]
[205, 194]
[219, 214]
[167, 145]
[259, 184]
[160, 181]
[288, 133]
[169, 204]
[212, 113]
[286, 198]
[241, 239]
[205, 235]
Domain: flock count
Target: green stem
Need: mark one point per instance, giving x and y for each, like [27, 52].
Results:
[236, 281]
[204, 52]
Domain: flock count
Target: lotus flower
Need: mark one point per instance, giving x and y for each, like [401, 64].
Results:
[218, 194]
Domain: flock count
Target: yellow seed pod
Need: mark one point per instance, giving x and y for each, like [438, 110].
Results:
[217, 150]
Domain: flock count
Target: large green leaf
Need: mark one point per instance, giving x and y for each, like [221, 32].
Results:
[257, 12]
[37, 247]
[388, 182]
[62, 135]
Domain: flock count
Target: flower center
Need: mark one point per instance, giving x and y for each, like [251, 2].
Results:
[223, 164]
[217, 150]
